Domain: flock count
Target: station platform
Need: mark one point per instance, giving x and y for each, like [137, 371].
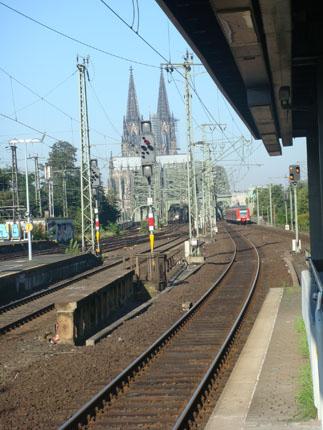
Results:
[261, 391]
[17, 265]
[20, 277]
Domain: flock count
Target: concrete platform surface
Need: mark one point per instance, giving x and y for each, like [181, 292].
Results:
[17, 265]
[261, 390]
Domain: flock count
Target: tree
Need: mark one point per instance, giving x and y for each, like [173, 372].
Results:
[6, 192]
[62, 156]
[108, 208]
[62, 159]
[278, 203]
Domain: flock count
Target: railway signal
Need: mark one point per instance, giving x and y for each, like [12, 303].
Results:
[148, 159]
[294, 173]
[95, 174]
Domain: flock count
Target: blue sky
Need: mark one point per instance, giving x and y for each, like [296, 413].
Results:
[41, 60]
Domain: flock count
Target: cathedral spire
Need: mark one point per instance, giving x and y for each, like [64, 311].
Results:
[163, 111]
[132, 105]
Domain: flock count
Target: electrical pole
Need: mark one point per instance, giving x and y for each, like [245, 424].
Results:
[191, 175]
[257, 194]
[88, 236]
[65, 205]
[14, 180]
[37, 185]
[211, 203]
[28, 225]
[50, 185]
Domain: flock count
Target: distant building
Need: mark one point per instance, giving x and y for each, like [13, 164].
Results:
[163, 123]
[239, 198]
[131, 188]
[169, 182]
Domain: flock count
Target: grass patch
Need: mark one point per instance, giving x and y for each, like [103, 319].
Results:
[304, 397]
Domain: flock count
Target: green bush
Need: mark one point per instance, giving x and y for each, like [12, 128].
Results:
[304, 222]
[39, 233]
[144, 226]
[114, 228]
[73, 248]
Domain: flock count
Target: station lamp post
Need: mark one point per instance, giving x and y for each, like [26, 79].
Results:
[28, 224]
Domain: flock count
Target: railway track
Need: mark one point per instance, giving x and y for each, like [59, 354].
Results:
[167, 384]
[21, 311]
[23, 253]
[128, 238]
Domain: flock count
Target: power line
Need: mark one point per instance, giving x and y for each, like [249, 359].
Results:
[48, 93]
[43, 98]
[80, 42]
[136, 32]
[104, 110]
[206, 109]
[28, 126]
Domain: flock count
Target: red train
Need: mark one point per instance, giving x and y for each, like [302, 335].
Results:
[238, 215]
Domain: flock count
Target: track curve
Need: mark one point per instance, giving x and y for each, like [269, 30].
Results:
[161, 388]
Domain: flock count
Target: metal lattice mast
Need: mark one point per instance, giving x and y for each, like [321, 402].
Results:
[51, 208]
[37, 185]
[211, 204]
[88, 236]
[14, 180]
[65, 205]
[191, 176]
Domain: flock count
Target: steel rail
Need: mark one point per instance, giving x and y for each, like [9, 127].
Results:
[61, 285]
[64, 283]
[81, 417]
[187, 416]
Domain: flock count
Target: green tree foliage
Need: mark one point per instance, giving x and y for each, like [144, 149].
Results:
[108, 209]
[6, 198]
[62, 159]
[279, 194]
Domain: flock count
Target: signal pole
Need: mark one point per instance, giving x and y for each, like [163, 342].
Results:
[88, 236]
[14, 180]
[270, 206]
[291, 208]
[294, 177]
[148, 160]
[296, 218]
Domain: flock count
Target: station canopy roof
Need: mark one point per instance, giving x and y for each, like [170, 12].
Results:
[263, 55]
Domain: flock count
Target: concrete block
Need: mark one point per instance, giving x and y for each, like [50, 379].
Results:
[195, 259]
[89, 306]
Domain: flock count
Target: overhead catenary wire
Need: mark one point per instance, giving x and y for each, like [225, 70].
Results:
[206, 109]
[13, 98]
[103, 108]
[136, 32]
[28, 126]
[74, 39]
[49, 92]
[44, 99]
[210, 115]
